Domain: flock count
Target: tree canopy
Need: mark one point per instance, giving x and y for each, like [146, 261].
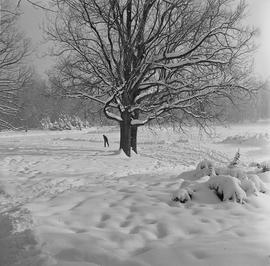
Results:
[14, 48]
[152, 59]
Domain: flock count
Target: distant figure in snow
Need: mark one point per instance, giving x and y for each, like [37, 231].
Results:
[106, 141]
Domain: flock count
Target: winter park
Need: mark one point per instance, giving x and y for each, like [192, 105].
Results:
[134, 133]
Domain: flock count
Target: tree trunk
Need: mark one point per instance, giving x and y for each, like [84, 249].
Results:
[134, 130]
[125, 133]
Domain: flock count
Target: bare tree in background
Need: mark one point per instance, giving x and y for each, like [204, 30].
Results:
[152, 59]
[13, 73]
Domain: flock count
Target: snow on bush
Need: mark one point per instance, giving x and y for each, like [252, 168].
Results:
[259, 184]
[183, 194]
[229, 183]
[205, 164]
[64, 122]
[204, 168]
[236, 160]
[262, 167]
[188, 188]
[235, 172]
[233, 169]
[265, 166]
[249, 187]
[227, 188]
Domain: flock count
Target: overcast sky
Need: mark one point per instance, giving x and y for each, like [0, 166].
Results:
[259, 16]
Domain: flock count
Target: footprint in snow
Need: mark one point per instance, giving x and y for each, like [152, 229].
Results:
[125, 223]
[162, 231]
[200, 254]
[105, 217]
[203, 220]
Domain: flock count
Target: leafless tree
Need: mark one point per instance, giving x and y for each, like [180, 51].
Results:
[152, 59]
[36, 3]
[13, 73]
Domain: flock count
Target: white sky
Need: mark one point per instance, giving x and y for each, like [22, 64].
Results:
[259, 16]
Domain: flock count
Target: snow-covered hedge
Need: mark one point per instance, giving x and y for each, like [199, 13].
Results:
[227, 188]
[228, 183]
[64, 122]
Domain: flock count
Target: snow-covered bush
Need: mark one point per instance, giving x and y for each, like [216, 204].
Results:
[249, 187]
[46, 123]
[262, 167]
[187, 188]
[205, 164]
[227, 188]
[204, 168]
[229, 183]
[182, 194]
[64, 122]
[236, 160]
[235, 172]
[265, 166]
[260, 186]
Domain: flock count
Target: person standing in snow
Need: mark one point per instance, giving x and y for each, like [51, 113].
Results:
[106, 141]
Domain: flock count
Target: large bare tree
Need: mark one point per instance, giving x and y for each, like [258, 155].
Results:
[152, 59]
[14, 48]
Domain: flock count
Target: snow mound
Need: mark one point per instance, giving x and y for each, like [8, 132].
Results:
[248, 139]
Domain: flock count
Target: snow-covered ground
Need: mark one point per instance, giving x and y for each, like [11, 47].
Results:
[68, 201]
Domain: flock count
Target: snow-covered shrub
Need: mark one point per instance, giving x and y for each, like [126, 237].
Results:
[204, 168]
[227, 188]
[205, 164]
[187, 188]
[265, 166]
[249, 187]
[64, 122]
[229, 183]
[185, 191]
[46, 123]
[260, 186]
[182, 194]
[235, 172]
[262, 167]
[236, 160]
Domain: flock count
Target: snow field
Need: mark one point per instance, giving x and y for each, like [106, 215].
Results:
[87, 205]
